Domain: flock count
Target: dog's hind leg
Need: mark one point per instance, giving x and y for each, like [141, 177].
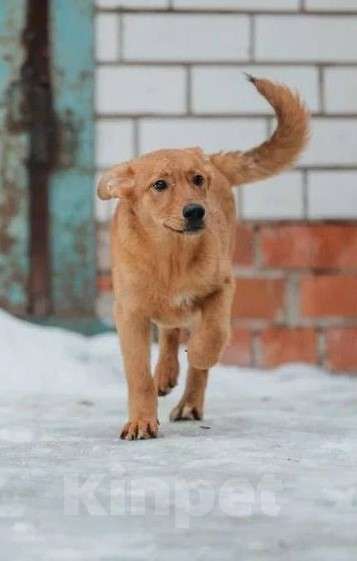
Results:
[190, 406]
[167, 369]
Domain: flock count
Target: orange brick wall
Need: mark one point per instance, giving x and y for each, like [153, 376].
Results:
[296, 297]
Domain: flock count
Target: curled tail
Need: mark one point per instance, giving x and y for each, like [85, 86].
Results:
[281, 150]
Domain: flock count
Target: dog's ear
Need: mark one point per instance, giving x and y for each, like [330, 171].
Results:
[117, 183]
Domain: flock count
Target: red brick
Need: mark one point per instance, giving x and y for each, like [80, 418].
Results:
[329, 296]
[244, 245]
[104, 283]
[314, 246]
[280, 345]
[239, 349]
[258, 298]
[341, 349]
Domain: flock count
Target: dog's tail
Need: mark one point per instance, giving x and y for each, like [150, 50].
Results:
[281, 150]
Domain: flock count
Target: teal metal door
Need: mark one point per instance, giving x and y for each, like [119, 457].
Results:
[47, 228]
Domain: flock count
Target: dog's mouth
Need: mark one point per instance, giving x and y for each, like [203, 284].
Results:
[189, 229]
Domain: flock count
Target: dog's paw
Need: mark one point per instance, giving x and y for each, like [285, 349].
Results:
[186, 412]
[140, 429]
[165, 377]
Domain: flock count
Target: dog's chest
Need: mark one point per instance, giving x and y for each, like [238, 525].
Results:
[182, 300]
[175, 309]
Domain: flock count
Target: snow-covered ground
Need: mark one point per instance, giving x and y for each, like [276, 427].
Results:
[270, 474]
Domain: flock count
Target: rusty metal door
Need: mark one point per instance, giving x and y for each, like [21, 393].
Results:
[47, 229]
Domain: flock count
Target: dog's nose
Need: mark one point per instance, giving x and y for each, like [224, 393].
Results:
[193, 212]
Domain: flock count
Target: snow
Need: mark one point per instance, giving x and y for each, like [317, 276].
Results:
[270, 474]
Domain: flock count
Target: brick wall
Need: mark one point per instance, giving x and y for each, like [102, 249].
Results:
[169, 73]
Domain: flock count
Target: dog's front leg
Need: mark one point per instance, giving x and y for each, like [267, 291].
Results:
[134, 334]
[190, 406]
[210, 334]
[206, 343]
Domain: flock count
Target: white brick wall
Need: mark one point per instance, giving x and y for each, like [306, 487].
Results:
[132, 4]
[306, 38]
[212, 135]
[333, 143]
[140, 89]
[331, 5]
[332, 194]
[340, 87]
[217, 89]
[277, 198]
[114, 141]
[170, 74]
[181, 37]
[251, 5]
[107, 28]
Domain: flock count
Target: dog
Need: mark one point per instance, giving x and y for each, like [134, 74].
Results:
[172, 245]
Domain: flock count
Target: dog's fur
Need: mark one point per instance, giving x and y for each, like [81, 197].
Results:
[175, 278]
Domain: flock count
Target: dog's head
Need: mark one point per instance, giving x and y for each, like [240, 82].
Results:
[166, 188]
[169, 188]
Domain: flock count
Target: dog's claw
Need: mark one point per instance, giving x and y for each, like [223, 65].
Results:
[165, 379]
[161, 391]
[140, 430]
[185, 412]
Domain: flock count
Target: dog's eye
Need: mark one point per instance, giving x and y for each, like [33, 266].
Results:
[160, 185]
[198, 180]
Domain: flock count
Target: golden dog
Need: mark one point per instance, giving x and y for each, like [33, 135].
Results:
[172, 243]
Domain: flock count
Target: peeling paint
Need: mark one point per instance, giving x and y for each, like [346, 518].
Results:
[14, 263]
[72, 263]
[71, 199]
